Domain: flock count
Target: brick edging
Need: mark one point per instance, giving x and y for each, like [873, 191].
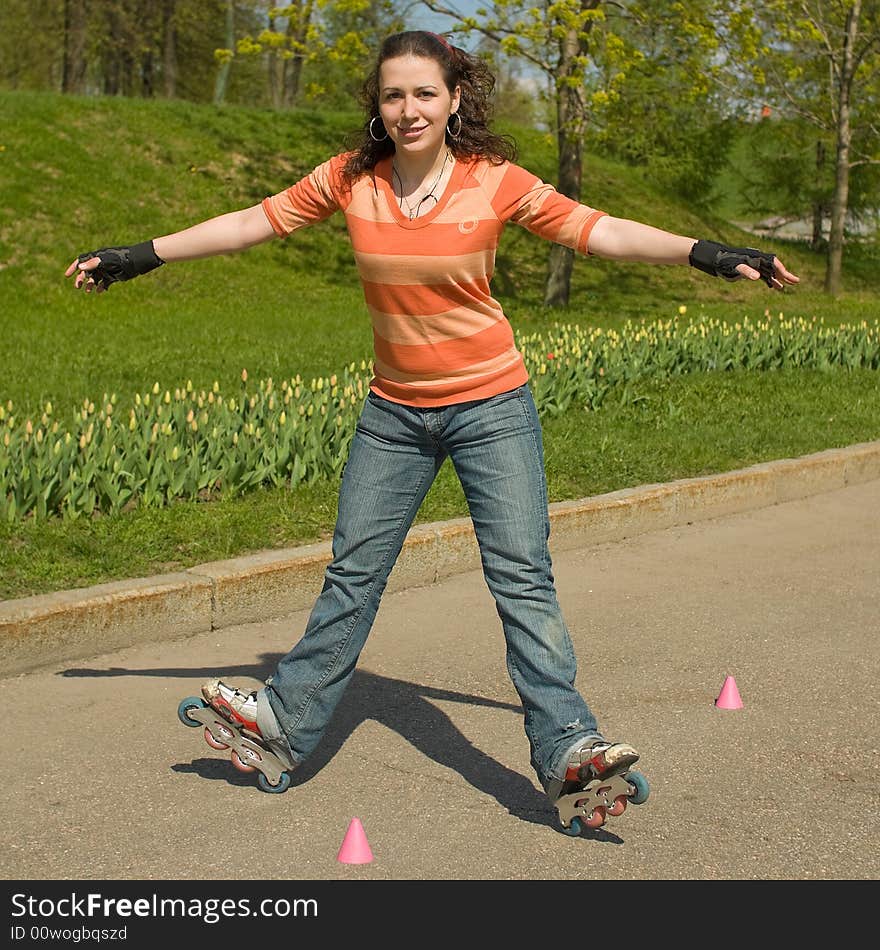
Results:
[55, 628]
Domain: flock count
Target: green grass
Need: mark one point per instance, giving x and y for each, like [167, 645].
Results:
[76, 173]
[706, 423]
[680, 428]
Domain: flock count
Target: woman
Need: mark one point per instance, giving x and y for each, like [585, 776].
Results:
[426, 194]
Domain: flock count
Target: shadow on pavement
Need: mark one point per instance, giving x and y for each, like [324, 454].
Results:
[403, 707]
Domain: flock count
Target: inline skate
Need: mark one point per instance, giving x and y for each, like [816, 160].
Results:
[598, 783]
[229, 718]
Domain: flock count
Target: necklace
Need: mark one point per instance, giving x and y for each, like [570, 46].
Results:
[408, 210]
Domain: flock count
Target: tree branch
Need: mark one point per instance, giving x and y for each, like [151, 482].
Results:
[491, 31]
[819, 28]
[859, 55]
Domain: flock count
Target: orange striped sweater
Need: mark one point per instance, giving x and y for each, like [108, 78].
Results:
[439, 335]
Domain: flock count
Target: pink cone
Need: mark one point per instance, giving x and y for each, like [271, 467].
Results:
[355, 847]
[729, 697]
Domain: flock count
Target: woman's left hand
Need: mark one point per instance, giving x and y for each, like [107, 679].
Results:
[778, 279]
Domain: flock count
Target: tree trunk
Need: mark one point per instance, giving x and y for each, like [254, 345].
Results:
[223, 72]
[568, 138]
[108, 57]
[561, 260]
[169, 48]
[129, 67]
[73, 62]
[272, 71]
[844, 136]
[148, 88]
[569, 135]
[297, 31]
[818, 204]
[818, 217]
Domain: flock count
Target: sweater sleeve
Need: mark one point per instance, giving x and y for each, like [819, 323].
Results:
[310, 200]
[523, 198]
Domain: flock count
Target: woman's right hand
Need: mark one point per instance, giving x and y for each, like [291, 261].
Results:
[99, 269]
[84, 274]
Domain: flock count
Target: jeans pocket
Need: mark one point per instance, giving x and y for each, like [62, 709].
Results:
[502, 398]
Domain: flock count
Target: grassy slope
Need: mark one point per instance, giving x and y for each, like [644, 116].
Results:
[77, 173]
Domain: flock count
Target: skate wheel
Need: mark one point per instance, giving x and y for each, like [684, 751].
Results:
[241, 766]
[191, 702]
[596, 818]
[618, 806]
[574, 829]
[267, 786]
[214, 743]
[640, 786]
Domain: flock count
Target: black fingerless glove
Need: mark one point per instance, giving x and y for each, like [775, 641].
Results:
[719, 260]
[122, 263]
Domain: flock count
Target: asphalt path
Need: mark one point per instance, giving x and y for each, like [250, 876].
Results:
[427, 748]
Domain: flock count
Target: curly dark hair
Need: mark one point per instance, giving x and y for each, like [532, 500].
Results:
[461, 69]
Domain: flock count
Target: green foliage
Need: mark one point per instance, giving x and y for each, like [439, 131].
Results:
[315, 50]
[792, 55]
[819, 63]
[79, 172]
[311, 49]
[663, 110]
[114, 47]
[28, 55]
[187, 446]
[683, 148]
[788, 165]
[633, 81]
[679, 427]
[352, 32]
[571, 366]
[194, 444]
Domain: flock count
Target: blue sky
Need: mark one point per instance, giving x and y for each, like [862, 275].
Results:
[420, 17]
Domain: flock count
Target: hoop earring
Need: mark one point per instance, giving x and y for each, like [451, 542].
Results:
[457, 133]
[370, 130]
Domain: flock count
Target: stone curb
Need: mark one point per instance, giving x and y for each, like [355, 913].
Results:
[54, 628]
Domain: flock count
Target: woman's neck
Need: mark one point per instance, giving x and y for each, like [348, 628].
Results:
[418, 195]
[413, 171]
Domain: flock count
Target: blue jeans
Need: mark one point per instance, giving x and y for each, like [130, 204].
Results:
[495, 445]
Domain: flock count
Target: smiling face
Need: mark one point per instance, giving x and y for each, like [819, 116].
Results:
[415, 105]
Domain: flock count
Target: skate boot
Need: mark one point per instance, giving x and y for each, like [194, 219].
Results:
[230, 720]
[598, 782]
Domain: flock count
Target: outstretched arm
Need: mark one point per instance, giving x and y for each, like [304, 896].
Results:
[619, 239]
[225, 234]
